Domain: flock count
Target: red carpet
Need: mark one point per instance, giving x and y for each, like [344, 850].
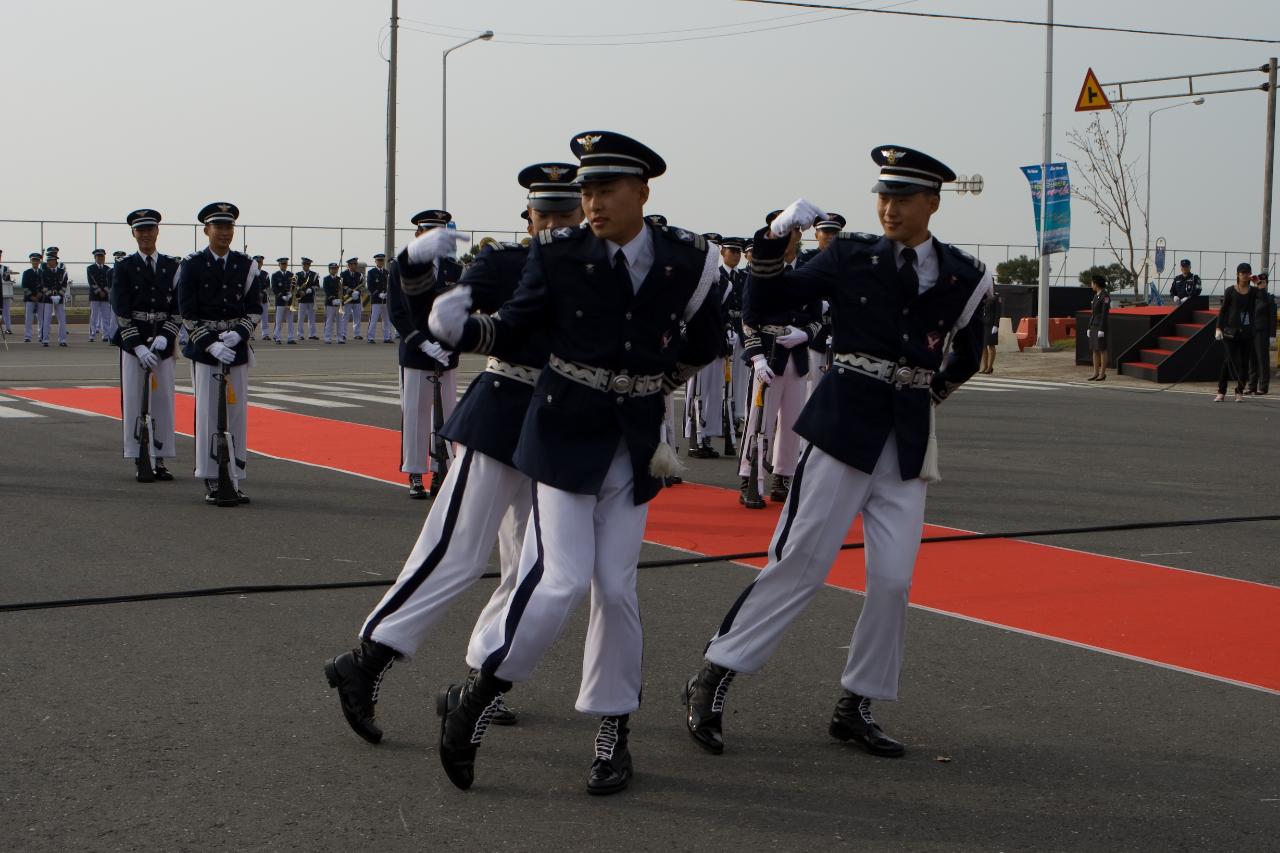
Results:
[1213, 626]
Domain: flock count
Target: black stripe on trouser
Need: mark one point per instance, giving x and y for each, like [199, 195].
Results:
[402, 417]
[793, 503]
[519, 598]
[428, 565]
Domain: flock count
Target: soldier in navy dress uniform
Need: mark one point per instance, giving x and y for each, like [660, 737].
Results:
[6, 297]
[732, 281]
[54, 287]
[376, 280]
[308, 285]
[703, 423]
[30, 283]
[485, 497]
[145, 303]
[334, 325]
[97, 275]
[353, 290]
[282, 284]
[611, 297]
[220, 301]
[423, 361]
[777, 348]
[825, 231]
[1186, 284]
[905, 337]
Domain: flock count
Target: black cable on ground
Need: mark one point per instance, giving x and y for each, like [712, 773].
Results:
[695, 559]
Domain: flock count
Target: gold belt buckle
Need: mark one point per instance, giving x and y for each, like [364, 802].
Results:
[902, 376]
[621, 384]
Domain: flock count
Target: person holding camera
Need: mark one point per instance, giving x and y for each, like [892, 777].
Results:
[1235, 330]
[1264, 329]
[1097, 330]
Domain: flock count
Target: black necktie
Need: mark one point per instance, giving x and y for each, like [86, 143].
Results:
[908, 278]
[151, 264]
[621, 274]
[220, 264]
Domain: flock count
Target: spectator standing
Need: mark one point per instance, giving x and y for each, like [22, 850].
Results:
[1264, 329]
[1235, 330]
[1097, 330]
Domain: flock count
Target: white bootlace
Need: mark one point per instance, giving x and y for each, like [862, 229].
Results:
[864, 711]
[606, 739]
[717, 701]
[482, 722]
[377, 682]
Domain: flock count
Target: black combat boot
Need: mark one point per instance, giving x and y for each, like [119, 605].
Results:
[745, 497]
[852, 720]
[502, 715]
[161, 472]
[416, 490]
[779, 486]
[466, 711]
[357, 675]
[611, 770]
[704, 696]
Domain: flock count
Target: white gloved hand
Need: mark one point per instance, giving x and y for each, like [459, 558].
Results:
[436, 243]
[146, 357]
[434, 350]
[799, 214]
[761, 366]
[56, 299]
[793, 337]
[160, 342]
[309, 291]
[221, 352]
[995, 330]
[449, 312]
[1217, 334]
[731, 337]
[231, 338]
[1101, 334]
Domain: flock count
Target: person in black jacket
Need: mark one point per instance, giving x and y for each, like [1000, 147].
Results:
[1264, 329]
[1097, 330]
[1235, 330]
[992, 307]
[611, 298]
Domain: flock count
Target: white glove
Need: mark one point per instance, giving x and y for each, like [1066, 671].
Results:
[56, 299]
[436, 243]
[436, 351]
[449, 311]
[995, 330]
[146, 357]
[159, 343]
[335, 302]
[231, 338]
[761, 366]
[1217, 334]
[221, 352]
[1101, 334]
[731, 337]
[309, 291]
[799, 214]
[794, 337]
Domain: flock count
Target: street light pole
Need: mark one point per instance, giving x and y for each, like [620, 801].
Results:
[444, 114]
[1146, 253]
[389, 223]
[1042, 291]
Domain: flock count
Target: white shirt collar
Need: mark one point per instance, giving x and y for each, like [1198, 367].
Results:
[639, 255]
[154, 256]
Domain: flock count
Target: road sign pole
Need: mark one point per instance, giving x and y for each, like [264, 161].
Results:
[1042, 323]
[1268, 171]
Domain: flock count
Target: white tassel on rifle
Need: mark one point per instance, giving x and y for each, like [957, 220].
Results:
[929, 470]
[664, 462]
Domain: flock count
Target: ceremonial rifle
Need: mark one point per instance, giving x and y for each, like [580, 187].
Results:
[223, 446]
[726, 417]
[438, 453]
[144, 430]
[754, 450]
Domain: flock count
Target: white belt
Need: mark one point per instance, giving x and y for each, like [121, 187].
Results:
[518, 372]
[219, 325]
[150, 316]
[774, 330]
[606, 380]
[898, 375]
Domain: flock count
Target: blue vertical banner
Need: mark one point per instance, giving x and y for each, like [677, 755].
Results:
[1057, 228]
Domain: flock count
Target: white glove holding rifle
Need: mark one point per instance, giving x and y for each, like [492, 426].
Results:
[230, 338]
[761, 366]
[159, 343]
[793, 337]
[145, 357]
[434, 350]
[221, 352]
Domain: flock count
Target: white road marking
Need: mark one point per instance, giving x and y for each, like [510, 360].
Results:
[254, 396]
[9, 412]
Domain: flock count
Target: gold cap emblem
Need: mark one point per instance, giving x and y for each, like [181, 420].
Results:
[224, 207]
[892, 155]
[588, 142]
[554, 172]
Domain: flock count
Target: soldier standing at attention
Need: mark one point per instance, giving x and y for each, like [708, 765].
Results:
[611, 298]
[145, 302]
[6, 295]
[905, 337]
[98, 275]
[54, 285]
[334, 325]
[282, 289]
[353, 287]
[308, 284]
[423, 361]
[218, 297]
[30, 305]
[376, 279]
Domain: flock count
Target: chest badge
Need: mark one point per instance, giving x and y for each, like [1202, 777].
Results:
[591, 269]
[667, 271]
[875, 260]
[935, 340]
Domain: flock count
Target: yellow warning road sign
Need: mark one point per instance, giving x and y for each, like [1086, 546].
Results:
[1091, 95]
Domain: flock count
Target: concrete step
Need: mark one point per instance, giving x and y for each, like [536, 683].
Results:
[1155, 356]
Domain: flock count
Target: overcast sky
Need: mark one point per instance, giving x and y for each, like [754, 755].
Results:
[279, 106]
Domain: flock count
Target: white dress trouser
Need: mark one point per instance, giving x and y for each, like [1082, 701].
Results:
[98, 312]
[30, 313]
[481, 500]
[378, 311]
[206, 388]
[825, 497]
[817, 361]
[417, 396]
[575, 544]
[354, 313]
[709, 385]
[306, 319]
[160, 405]
[283, 317]
[783, 400]
[741, 385]
[335, 326]
[265, 320]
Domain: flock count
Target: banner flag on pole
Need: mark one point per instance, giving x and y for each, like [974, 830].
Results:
[1057, 229]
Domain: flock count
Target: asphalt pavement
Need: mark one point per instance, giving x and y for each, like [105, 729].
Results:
[206, 723]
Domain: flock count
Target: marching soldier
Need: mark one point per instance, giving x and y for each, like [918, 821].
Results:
[144, 301]
[423, 361]
[98, 275]
[704, 393]
[30, 283]
[353, 286]
[220, 302]
[376, 279]
[334, 325]
[825, 231]
[611, 298]
[732, 283]
[264, 292]
[485, 495]
[905, 338]
[308, 284]
[53, 287]
[777, 348]
[282, 288]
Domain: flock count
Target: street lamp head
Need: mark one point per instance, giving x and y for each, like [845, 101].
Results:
[488, 34]
[1198, 101]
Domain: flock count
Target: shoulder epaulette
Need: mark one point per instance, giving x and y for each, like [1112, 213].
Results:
[682, 236]
[552, 235]
[859, 236]
[963, 255]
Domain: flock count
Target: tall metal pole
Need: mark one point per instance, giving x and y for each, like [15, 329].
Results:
[444, 132]
[1042, 323]
[389, 223]
[1268, 172]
